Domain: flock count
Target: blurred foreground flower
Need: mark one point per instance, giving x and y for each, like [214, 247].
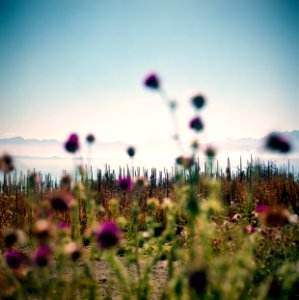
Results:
[152, 81]
[73, 251]
[12, 237]
[197, 280]
[275, 216]
[43, 230]
[64, 227]
[277, 142]
[196, 124]
[62, 201]
[6, 163]
[72, 144]
[108, 235]
[14, 258]
[41, 256]
[125, 184]
[261, 208]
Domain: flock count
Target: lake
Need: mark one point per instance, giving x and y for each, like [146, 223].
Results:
[55, 166]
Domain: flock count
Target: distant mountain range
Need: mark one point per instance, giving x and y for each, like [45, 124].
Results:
[257, 144]
[54, 148]
[48, 148]
[19, 140]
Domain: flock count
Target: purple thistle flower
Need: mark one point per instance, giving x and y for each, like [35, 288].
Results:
[131, 151]
[13, 258]
[72, 144]
[152, 81]
[108, 235]
[64, 225]
[41, 256]
[210, 152]
[277, 142]
[198, 101]
[6, 163]
[62, 201]
[125, 184]
[261, 208]
[196, 124]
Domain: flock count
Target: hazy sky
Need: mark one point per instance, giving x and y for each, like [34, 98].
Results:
[78, 66]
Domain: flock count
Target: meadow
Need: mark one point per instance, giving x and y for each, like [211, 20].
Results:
[194, 232]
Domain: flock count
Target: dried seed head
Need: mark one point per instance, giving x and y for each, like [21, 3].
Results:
[131, 151]
[90, 138]
[278, 142]
[198, 101]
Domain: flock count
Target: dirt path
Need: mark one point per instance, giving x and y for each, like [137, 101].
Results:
[108, 286]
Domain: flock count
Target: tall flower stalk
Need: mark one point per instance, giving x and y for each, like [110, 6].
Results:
[152, 81]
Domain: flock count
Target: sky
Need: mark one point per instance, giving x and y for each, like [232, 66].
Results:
[78, 66]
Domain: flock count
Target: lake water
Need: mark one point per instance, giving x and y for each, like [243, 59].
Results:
[56, 166]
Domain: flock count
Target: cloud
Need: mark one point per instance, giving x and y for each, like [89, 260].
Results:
[7, 134]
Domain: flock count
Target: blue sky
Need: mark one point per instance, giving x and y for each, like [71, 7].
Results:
[78, 66]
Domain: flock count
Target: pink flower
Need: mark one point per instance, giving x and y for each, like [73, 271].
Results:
[250, 229]
[108, 235]
[72, 143]
[125, 184]
[196, 124]
[261, 208]
[14, 258]
[41, 256]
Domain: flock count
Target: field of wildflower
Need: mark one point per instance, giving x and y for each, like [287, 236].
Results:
[193, 233]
